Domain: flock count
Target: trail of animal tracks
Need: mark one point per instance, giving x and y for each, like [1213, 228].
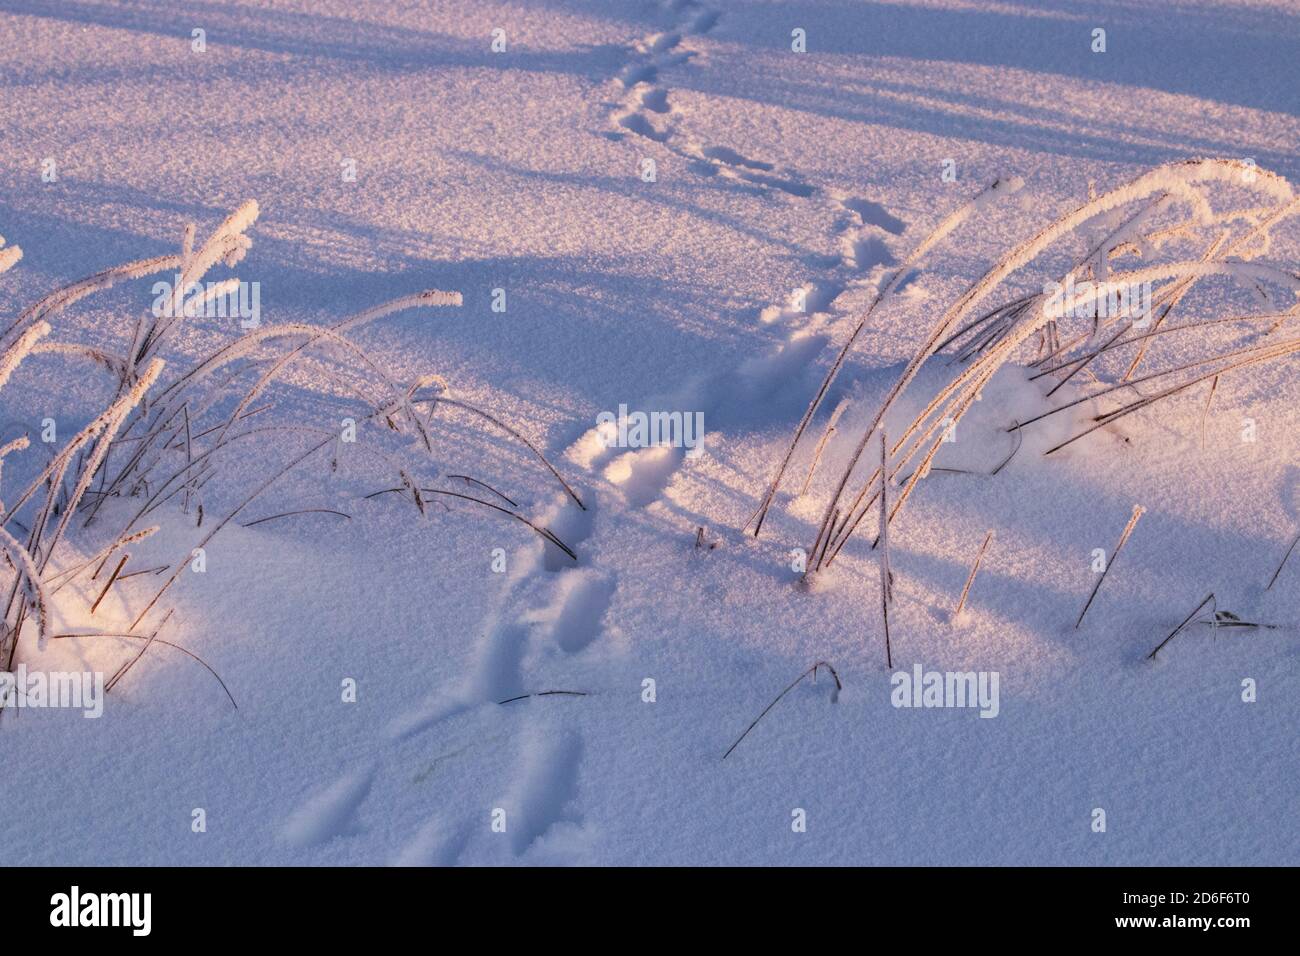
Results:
[514, 705]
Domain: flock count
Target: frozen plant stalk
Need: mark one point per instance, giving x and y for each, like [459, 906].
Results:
[1138, 511]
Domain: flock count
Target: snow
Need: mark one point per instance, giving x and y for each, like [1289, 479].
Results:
[781, 180]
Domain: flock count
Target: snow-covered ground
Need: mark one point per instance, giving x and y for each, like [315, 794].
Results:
[651, 189]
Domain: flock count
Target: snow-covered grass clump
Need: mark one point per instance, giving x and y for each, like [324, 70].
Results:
[164, 428]
[1084, 302]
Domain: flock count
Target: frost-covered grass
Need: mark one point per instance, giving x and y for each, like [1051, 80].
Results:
[162, 434]
[1155, 219]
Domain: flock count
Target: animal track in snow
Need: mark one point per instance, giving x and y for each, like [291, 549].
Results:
[584, 596]
[703, 22]
[654, 99]
[764, 373]
[541, 800]
[639, 124]
[570, 524]
[873, 214]
[497, 672]
[791, 186]
[730, 157]
[810, 299]
[864, 253]
[661, 43]
[643, 99]
[330, 812]
[636, 73]
[860, 232]
[730, 164]
[547, 789]
[863, 237]
[643, 473]
[659, 51]
[545, 784]
[436, 844]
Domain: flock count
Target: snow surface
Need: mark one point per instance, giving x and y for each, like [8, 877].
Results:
[775, 172]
